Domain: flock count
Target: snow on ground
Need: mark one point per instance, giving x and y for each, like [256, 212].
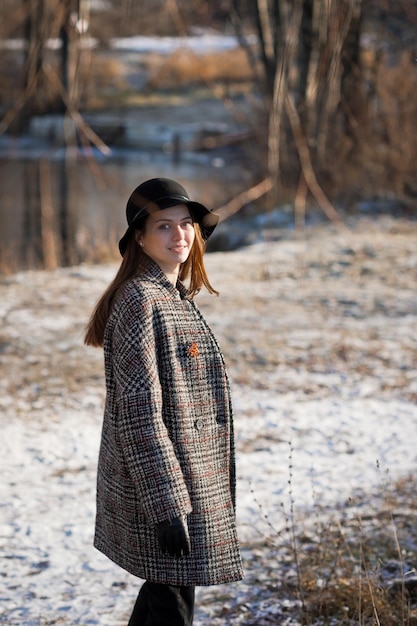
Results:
[202, 42]
[319, 334]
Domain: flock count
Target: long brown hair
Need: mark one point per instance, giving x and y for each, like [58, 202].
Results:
[134, 263]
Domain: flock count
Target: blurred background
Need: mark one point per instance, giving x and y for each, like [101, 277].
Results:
[274, 112]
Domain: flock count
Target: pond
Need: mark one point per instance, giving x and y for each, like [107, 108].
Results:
[64, 207]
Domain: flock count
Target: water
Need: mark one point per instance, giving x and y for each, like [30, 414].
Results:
[61, 208]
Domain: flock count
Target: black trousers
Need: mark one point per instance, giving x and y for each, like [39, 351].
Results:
[163, 605]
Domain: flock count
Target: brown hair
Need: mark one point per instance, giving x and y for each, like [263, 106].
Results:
[134, 263]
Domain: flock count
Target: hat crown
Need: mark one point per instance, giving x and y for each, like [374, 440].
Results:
[156, 190]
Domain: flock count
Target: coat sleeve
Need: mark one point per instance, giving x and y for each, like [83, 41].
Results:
[147, 448]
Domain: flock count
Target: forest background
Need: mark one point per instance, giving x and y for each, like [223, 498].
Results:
[329, 117]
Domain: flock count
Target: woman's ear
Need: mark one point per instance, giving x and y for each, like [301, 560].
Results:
[138, 237]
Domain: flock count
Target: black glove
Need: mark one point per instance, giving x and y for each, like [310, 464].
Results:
[173, 537]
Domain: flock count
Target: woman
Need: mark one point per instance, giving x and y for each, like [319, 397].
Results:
[166, 473]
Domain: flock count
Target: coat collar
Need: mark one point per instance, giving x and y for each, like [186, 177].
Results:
[155, 275]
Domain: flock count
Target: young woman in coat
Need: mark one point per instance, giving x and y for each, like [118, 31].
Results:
[166, 471]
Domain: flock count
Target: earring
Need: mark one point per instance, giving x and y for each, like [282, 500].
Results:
[141, 244]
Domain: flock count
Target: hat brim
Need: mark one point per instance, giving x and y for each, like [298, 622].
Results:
[206, 219]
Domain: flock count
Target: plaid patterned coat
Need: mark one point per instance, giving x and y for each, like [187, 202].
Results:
[167, 441]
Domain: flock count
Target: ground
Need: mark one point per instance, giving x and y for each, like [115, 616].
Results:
[318, 331]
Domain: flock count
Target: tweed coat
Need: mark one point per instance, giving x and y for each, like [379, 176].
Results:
[167, 447]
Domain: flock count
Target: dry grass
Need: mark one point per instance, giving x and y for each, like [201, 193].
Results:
[345, 574]
[351, 567]
[396, 154]
[184, 68]
[105, 81]
[379, 153]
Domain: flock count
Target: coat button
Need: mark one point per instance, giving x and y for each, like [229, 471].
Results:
[199, 424]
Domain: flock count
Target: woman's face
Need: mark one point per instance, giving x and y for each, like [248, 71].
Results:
[168, 237]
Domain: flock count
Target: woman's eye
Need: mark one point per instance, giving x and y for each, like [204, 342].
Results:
[185, 225]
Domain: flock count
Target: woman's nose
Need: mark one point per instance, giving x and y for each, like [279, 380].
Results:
[177, 232]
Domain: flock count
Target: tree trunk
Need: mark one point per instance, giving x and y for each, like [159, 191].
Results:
[34, 35]
[309, 49]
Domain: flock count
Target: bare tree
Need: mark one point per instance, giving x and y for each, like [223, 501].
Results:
[309, 50]
[43, 88]
[35, 36]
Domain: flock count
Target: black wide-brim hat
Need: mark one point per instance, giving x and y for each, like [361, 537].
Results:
[162, 193]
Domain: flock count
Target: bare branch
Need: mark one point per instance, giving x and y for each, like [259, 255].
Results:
[307, 167]
[243, 198]
[76, 115]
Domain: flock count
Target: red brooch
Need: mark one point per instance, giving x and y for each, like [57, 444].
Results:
[193, 349]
